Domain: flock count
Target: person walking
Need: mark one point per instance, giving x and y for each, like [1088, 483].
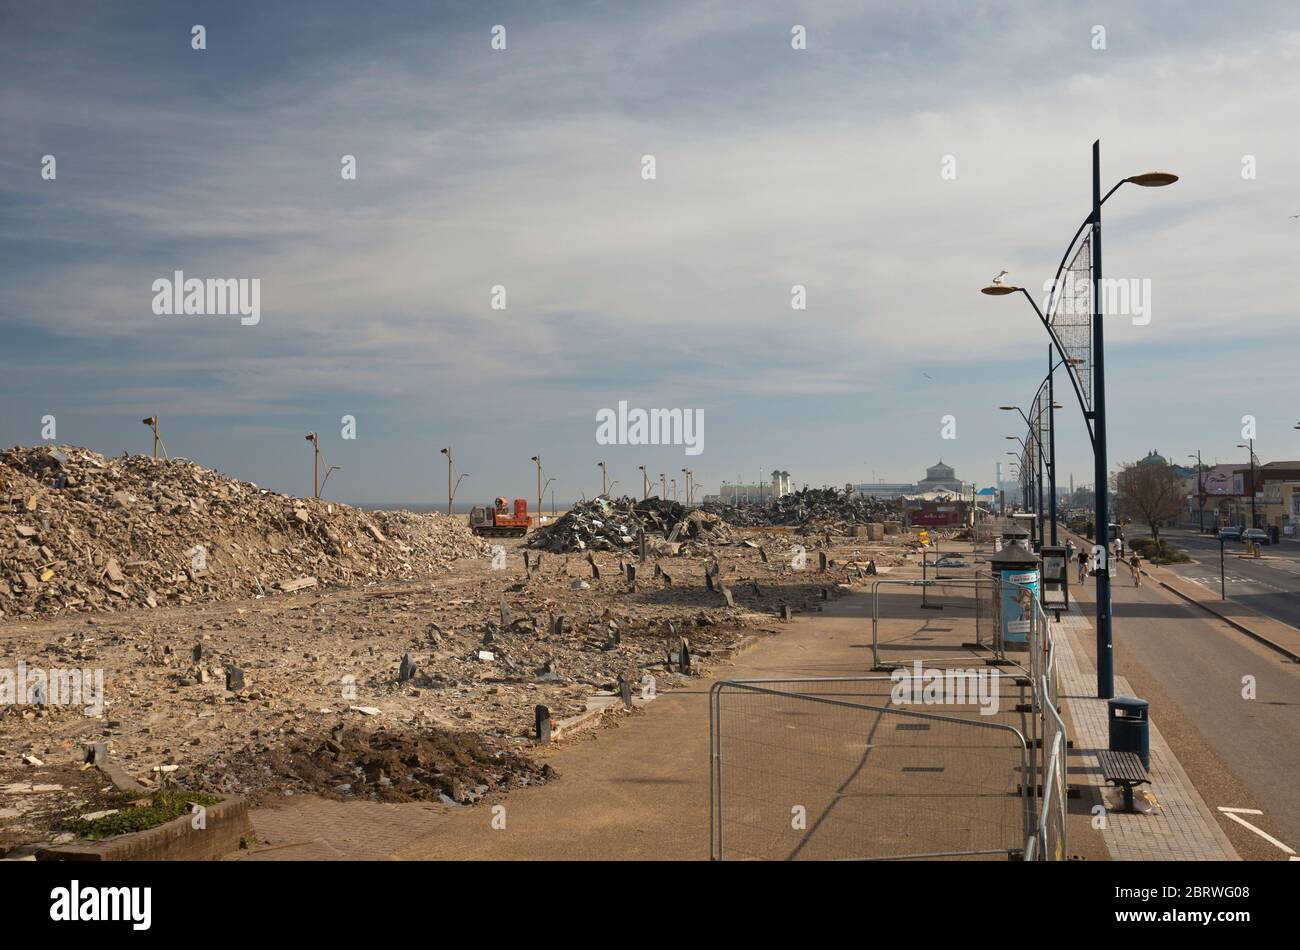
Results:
[1069, 549]
[1133, 567]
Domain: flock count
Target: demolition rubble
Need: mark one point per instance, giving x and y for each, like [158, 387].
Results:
[82, 532]
[812, 510]
[322, 650]
[607, 525]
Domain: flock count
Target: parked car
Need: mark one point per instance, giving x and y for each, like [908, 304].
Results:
[1255, 536]
[950, 561]
[1229, 533]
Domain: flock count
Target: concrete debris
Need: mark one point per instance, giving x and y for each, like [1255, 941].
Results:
[83, 532]
[814, 510]
[604, 524]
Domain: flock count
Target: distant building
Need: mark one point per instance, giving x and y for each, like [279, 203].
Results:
[780, 483]
[940, 477]
[743, 493]
[886, 489]
[1155, 458]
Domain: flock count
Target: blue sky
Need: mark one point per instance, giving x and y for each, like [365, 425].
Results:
[521, 168]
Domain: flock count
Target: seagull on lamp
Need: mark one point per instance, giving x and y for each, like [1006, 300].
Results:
[998, 279]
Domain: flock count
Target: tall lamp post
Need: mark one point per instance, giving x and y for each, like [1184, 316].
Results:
[1200, 491]
[314, 439]
[604, 478]
[1019, 472]
[1097, 413]
[645, 483]
[1049, 451]
[1251, 447]
[1034, 491]
[538, 460]
[450, 490]
[152, 423]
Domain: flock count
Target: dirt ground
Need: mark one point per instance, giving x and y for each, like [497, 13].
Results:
[324, 707]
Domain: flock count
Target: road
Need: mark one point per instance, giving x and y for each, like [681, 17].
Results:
[1269, 584]
[1240, 752]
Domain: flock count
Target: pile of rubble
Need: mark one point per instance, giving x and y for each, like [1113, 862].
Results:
[813, 509]
[603, 524]
[79, 531]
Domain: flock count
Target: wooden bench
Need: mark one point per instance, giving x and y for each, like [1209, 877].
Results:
[1124, 769]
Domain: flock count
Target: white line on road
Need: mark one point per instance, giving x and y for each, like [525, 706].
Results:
[1232, 813]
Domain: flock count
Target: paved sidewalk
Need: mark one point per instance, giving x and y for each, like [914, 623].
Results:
[1185, 830]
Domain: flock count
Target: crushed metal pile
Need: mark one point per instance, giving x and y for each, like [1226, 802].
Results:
[82, 532]
[813, 509]
[603, 524]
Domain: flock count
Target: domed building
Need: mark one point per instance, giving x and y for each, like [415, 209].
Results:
[940, 477]
[1153, 458]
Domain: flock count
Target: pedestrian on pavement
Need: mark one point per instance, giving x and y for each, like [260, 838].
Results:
[1133, 567]
[1069, 549]
[1083, 566]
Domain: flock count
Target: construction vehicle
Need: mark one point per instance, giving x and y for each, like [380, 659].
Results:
[499, 521]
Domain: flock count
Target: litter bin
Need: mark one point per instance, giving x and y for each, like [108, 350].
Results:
[1129, 727]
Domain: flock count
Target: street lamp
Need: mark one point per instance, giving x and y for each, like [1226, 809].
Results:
[152, 423]
[538, 460]
[1050, 449]
[314, 439]
[1251, 447]
[604, 478]
[690, 484]
[1018, 469]
[645, 483]
[451, 490]
[539, 510]
[1200, 490]
[1096, 413]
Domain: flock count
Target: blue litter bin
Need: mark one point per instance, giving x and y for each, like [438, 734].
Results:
[1130, 727]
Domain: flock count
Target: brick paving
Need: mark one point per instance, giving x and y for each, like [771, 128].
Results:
[316, 829]
[1185, 829]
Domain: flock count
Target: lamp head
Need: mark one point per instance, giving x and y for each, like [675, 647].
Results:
[1153, 179]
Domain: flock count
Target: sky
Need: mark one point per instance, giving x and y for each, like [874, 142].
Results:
[891, 168]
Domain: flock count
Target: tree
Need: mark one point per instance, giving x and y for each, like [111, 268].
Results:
[1150, 493]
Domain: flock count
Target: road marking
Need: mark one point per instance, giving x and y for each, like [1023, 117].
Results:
[1232, 813]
